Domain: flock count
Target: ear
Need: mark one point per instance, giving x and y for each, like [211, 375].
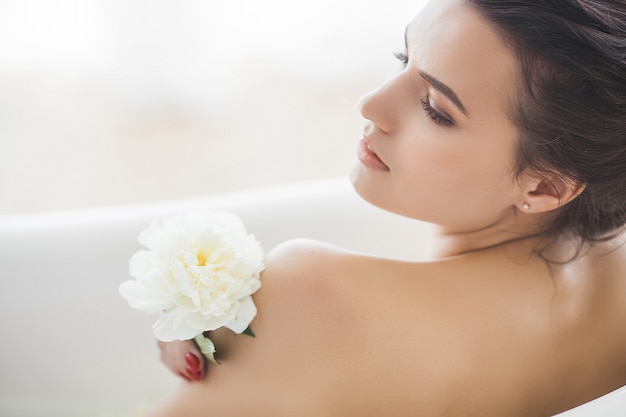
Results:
[543, 194]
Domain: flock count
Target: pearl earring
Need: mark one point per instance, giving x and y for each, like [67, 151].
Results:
[526, 206]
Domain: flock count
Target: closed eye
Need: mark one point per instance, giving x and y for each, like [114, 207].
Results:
[435, 115]
[402, 57]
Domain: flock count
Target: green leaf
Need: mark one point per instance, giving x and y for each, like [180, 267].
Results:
[249, 332]
[206, 347]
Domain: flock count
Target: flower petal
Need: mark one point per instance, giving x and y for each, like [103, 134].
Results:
[201, 269]
[243, 318]
[144, 265]
[210, 322]
[170, 327]
[141, 297]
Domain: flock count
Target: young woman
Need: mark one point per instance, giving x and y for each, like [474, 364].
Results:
[506, 129]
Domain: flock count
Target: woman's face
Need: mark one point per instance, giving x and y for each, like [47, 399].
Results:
[438, 144]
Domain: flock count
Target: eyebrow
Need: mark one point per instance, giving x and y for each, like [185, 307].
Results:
[435, 83]
[445, 90]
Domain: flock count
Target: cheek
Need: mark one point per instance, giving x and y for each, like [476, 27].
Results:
[435, 166]
[441, 180]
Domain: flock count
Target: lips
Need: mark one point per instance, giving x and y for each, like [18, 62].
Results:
[369, 158]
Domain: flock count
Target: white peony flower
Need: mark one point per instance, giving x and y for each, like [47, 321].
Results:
[200, 271]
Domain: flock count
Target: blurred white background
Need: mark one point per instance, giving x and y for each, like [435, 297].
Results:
[120, 101]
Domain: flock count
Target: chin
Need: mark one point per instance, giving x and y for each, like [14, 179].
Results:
[370, 188]
[358, 179]
[378, 192]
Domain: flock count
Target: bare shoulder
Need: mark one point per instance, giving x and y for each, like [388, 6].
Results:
[281, 370]
[300, 283]
[459, 328]
[302, 268]
[302, 256]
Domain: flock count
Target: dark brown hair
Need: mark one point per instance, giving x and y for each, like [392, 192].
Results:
[571, 107]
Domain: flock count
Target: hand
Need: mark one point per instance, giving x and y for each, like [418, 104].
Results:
[183, 358]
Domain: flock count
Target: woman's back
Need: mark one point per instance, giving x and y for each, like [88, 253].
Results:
[341, 334]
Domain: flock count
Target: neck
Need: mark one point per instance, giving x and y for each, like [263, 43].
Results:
[448, 243]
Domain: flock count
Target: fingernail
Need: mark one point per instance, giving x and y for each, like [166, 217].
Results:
[193, 361]
[195, 375]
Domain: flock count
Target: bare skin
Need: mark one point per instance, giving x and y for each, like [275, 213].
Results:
[345, 334]
[488, 327]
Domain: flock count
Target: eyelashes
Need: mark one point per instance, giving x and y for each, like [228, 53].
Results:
[402, 57]
[436, 116]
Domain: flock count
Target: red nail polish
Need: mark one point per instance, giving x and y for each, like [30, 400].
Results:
[183, 376]
[195, 375]
[193, 361]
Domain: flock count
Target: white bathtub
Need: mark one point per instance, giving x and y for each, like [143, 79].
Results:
[71, 346]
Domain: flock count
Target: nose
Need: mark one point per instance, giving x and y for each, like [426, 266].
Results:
[378, 106]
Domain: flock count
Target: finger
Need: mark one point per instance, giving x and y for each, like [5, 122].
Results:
[193, 361]
[194, 375]
[185, 377]
[195, 365]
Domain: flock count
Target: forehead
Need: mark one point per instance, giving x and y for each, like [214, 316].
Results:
[455, 44]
